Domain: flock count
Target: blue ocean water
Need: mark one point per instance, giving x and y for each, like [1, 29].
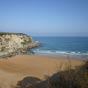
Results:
[77, 46]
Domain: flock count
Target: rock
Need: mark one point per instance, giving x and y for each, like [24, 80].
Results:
[12, 44]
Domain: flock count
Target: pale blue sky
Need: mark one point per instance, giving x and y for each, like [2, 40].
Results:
[45, 17]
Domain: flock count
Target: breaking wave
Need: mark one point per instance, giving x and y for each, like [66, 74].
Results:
[61, 53]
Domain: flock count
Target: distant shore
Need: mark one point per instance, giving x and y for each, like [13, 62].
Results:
[16, 68]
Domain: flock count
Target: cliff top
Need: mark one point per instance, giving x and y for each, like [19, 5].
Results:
[9, 33]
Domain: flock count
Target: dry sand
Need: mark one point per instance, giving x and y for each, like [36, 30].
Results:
[16, 68]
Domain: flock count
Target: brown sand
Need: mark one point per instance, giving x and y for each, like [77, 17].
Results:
[18, 67]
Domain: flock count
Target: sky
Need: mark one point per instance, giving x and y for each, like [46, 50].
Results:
[45, 17]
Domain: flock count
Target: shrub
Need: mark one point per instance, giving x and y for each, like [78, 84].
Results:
[77, 78]
[70, 79]
[2, 49]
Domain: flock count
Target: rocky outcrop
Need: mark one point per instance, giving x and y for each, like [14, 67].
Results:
[15, 43]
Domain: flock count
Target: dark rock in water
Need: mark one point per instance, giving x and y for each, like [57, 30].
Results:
[29, 51]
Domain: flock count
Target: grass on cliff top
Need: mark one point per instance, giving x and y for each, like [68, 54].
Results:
[9, 33]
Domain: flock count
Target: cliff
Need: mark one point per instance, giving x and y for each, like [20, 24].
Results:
[15, 42]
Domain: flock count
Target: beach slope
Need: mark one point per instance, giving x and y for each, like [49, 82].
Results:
[16, 68]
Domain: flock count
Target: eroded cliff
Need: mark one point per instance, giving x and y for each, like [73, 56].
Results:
[15, 42]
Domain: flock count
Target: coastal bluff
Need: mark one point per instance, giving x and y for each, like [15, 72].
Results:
[15, 43]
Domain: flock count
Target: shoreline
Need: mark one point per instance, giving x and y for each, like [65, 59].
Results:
[57, 53]
[62, 56]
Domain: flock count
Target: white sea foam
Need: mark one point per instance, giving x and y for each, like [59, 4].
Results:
[80, 55]
[59, 52]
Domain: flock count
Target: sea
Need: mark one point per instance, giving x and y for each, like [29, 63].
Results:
[62, 46]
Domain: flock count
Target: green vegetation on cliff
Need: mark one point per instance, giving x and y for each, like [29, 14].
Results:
[9, 33]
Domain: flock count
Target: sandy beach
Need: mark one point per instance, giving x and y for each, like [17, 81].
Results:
[16, 68]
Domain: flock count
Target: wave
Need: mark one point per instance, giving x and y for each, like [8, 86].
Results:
[60, 52]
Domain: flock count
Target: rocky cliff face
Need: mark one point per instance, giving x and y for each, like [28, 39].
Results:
[13, 42]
